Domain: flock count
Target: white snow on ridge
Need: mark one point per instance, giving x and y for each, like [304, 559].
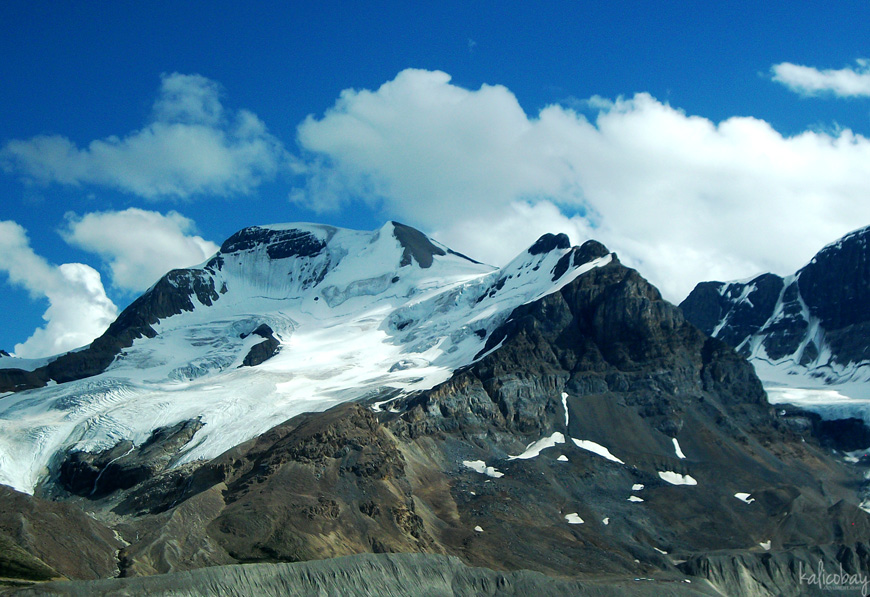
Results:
[744, 497]
[13, 362]
[350, 320]
[572, 275]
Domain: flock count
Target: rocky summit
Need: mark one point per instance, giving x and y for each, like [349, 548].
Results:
[806, 334]
[324, 411]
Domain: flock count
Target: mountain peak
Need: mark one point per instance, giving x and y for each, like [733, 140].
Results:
[387, 310]
[802, 329]
[415, 245]
[859, 235]
[549, 242]
[447, 407]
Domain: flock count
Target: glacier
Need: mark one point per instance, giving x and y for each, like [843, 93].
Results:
[358, 315]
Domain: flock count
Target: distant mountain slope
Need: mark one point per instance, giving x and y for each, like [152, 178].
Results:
[810, 329]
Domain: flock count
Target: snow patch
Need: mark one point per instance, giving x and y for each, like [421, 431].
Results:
[379, 406]
[534, 449]
[562, 458]
[605, 521]
[637, 487]
[678, 451]
[565, 406]
[478, 529]
[479, 466]
[634, 498]
[676, 478]
[595, 448]
[765, 545]
[744, 497]
[573, 518]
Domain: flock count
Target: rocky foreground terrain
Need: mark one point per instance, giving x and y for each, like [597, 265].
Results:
[597, 444]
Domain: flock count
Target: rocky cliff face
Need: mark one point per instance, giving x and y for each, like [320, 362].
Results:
[598, 433]
[816, 319]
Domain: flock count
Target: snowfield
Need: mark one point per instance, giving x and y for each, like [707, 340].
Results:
[353, 323]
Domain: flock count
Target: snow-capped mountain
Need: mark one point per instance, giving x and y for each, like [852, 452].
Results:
[310, 393]
[326, 315]
[808, 334]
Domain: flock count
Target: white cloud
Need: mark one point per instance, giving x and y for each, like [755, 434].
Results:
[192, 146]
[680, 197]
[844, 82]
[423, 145]
[139, 246]
[78, 310]
[518, 226]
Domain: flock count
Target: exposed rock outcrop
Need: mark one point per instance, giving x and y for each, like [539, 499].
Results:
[280, 244]
[263, 351]
[95, 475]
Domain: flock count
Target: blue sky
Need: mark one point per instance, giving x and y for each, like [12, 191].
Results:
[698, 141]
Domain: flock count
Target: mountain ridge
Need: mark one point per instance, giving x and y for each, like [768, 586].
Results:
[805, 333]
[347, 312]
[554, 415]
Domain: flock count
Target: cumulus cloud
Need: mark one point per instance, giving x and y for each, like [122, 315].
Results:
[78, 308]
[138, 246]
[680, 197]
[516, 228]
[806, 80]
[191, 146]
[422, 144]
